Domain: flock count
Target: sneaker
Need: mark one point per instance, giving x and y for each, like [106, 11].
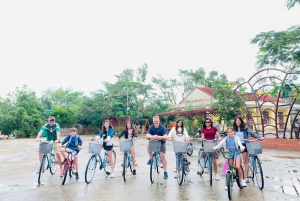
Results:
[243, 183]
[134, 172]
[165, 175]
[188, 176]
[112, 175]
[61, 174]
[149, 161]
[217, 177]
[65, 160]
[226, 188]
[246, 180]
[77, 176]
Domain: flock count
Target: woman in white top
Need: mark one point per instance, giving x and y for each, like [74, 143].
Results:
[179, 133]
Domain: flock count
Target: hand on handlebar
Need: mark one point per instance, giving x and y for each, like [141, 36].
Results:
[79, 147]
[38, 139]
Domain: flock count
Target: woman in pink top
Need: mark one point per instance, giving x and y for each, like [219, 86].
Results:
[209, 132]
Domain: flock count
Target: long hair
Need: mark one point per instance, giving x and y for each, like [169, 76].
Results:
[103, 127]
[211, 123]
[176, 126]
[242, 126]
[128, 122]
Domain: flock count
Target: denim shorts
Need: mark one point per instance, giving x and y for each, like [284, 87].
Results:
[236, 154]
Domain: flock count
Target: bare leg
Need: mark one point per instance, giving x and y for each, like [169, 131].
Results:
[149, 152]
[215, 166]
[238, 167]
[245, 160]
[59, 161]
[164, 161]
[109, 156]
[132, 157]
[76, 163]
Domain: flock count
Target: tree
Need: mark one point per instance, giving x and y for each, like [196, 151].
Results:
[291, 3]
[227, 100]
[167, 88]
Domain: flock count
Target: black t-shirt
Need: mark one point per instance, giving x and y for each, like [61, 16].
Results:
[160, 131]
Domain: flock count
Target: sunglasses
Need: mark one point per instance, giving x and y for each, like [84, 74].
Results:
[207, 122]
[51, 120]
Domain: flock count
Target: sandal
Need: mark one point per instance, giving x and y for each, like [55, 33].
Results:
[61, 174]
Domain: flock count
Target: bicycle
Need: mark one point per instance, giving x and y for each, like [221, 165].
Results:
[94, 149]
[156, 161]
[125, 147]
[69, 165]
[179, 149]
[232, 173]
[254, 149]
[208, 151]
[47, 148]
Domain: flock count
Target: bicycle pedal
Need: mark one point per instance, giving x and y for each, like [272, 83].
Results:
[189, 163]
[198, 173]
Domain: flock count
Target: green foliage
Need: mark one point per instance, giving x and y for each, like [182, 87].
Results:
[291, 3]
[228, 100]
[119, 129]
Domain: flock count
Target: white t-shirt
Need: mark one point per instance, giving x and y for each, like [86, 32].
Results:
[240, 134]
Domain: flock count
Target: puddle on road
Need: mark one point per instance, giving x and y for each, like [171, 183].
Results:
[293, 171]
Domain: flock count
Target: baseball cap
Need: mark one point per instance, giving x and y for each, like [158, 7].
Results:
[51, 118]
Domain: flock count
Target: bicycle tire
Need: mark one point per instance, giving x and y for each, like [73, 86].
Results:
[90, 169]
[131, 163]
[180, 169]
[72, 168]
[258, 173]
[189, 152]
[125, 163]
[153, 168]
[159, 163]
[107, 167]
[238, 179]
[200, 163]
[228, 184]
[53, 165]
[250, 168]
[66, 169]
[210, 163]
[42, 169]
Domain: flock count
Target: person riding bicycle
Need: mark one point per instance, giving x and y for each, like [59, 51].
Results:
[158, 132]
[243, 132]
[52, 131]
[233, 144]
[129, 132]
[209, 132]
[73, 146]
[107, 134]
[179, 133]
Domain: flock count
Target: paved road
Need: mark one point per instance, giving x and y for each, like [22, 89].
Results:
[19, 163]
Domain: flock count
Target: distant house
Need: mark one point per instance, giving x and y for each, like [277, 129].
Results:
[201, 99]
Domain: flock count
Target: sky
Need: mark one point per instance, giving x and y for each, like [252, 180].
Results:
[80, 44]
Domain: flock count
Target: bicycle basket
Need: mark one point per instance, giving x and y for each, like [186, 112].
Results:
[179, 147]
[154, 146]
[254, 148]
[45, 148]
[208, 146]
[125, 145]
[94, 147]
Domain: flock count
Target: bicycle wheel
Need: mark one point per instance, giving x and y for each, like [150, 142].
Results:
[153, 168]
[210, 164]
[72, 169]
[125, 163]
[258, 173]
[189, 151]
[200, 163]
[228, 184]
[180, 169]
[238, 179]
[130, 160]
[250, 169]
[107, 166]
[90, 169]
[66, 169]
[53, 164]
[159, 163]
[42, 169]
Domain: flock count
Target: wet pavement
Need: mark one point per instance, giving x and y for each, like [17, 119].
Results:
[19, 163]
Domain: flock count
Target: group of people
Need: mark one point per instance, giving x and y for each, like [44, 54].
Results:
[235, 140]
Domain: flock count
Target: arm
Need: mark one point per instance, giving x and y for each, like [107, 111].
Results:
[186, 135]
[110, 134]
[171, 133]
[252, 133]
[39, 135]
[79, 143]
[121, 134]
[237, 139]
[220, 144]
[218, 135]
[134, 135]
[65, 140]
[57, 133]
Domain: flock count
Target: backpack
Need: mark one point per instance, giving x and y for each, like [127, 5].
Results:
[76, 140]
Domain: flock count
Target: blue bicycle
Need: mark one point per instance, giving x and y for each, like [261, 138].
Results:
[125, 147]
[47, 149]
[180, 148]
[94, 149]
[156, 161]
